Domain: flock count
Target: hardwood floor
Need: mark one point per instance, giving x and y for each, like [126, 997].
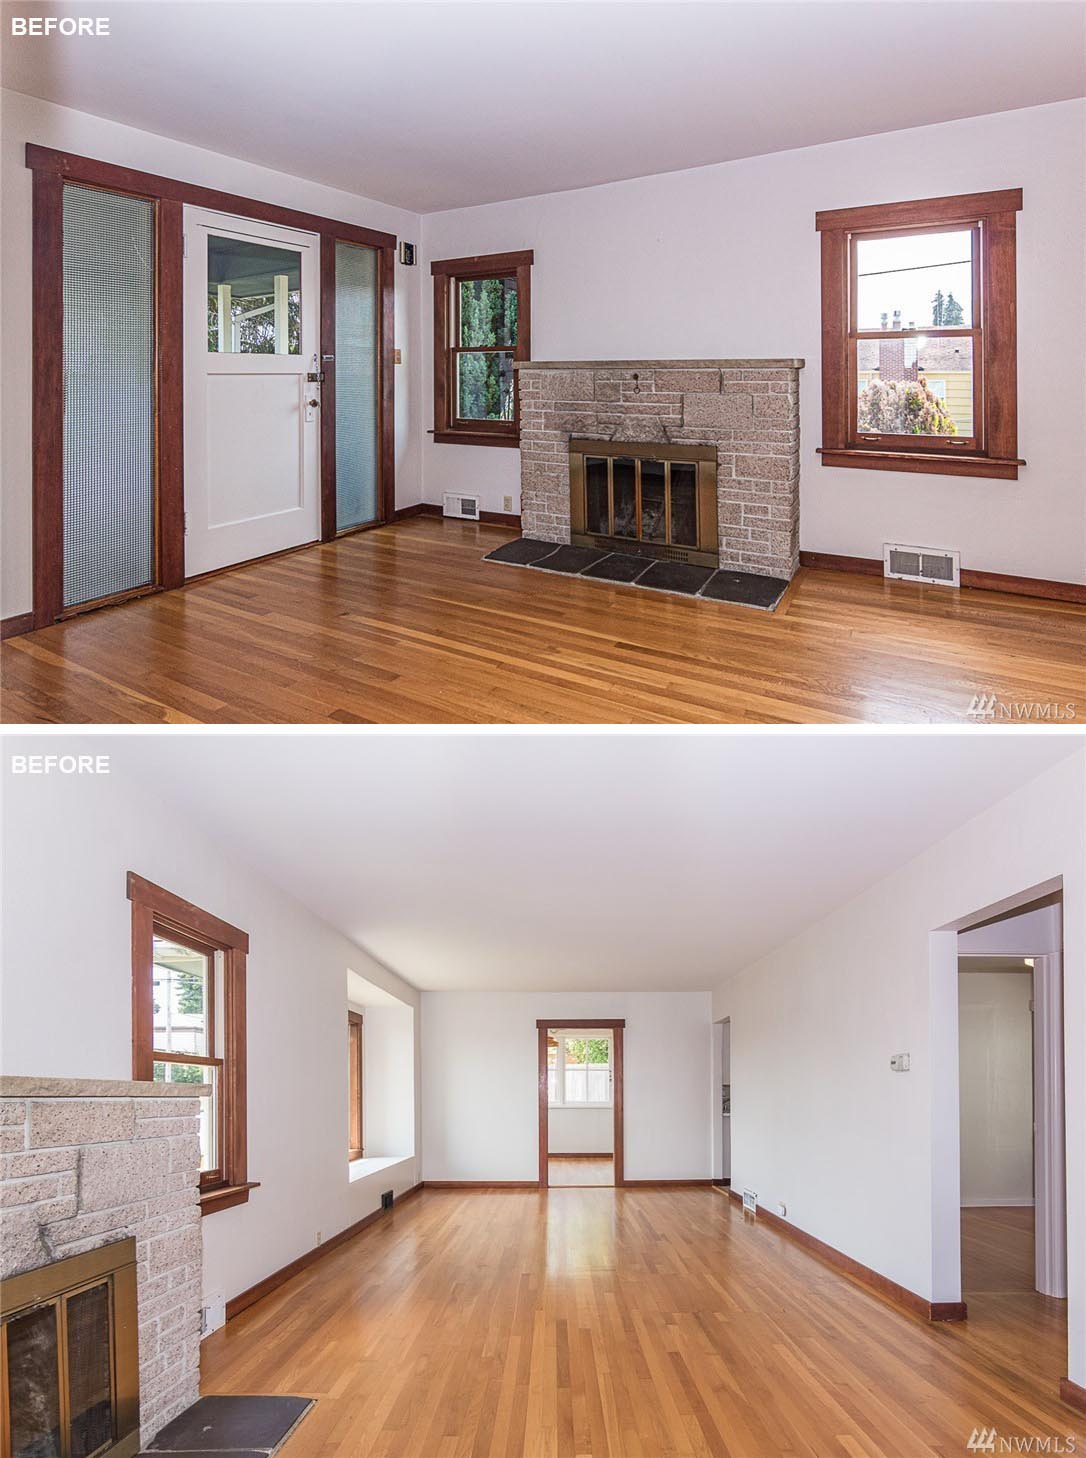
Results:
[580, 1171]
[407, 624]
[601, 1323]
[997, 1248]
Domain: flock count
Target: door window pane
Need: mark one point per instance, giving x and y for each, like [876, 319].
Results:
[488, 312]
[109, 393]
[920, 281]
[356, 385]
[485, 386]
[209, 1107]
[181, 993]
[254, 297]
[915, 385]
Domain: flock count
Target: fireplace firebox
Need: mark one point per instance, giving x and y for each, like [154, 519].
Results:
[70, 1363]
[656, 500]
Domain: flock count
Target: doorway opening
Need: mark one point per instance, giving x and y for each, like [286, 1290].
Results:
[580, 1103]
[723, 1176]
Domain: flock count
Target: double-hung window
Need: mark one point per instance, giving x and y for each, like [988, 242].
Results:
[188, 1025]
[919, 336]
[579, 1070]
[482, 325]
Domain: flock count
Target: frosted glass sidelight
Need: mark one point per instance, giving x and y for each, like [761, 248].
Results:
[356, 385]
[109, 394]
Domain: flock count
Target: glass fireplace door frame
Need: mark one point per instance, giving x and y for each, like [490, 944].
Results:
[704, 460]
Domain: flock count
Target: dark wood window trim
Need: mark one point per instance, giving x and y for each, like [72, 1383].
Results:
[155, 908]
[994, 451]
[356, 1138]
[446, 274]
[51, 169]
[617, 1027]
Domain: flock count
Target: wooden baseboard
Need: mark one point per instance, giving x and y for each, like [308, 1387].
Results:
[1072, 1394]
[245, 1299]
[864, 1275]
[13, 627]
[430, 508]
[480, 1184]
[986, 581]
[579, 1154]
[666, 1184]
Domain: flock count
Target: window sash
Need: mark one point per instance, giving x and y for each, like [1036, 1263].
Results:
[937, 445]
[448, 275]
[559, 1071]
[355, 1056]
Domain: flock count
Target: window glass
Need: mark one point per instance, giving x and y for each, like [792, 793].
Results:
[181, 986]
[254, 297]
[915, 386]
[209, 1107]
[488, 312]
[587, 1070]
[485, 386]
[919, 281]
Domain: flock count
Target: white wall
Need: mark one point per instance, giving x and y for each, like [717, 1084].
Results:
[724, 261]
[819, 1121]
[995, 1031]
[388, 1081]
[26, 119]
[480, 1110]
[67, 995]
[580, 1131]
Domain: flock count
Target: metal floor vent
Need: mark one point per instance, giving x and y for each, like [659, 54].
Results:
[921, 564]
[750, 1201]
[466, 507]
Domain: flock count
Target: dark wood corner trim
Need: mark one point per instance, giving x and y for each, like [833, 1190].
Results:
[482, 264]
[1073, 1394]
[921, 462]
[982, 581]
[618, 1028]
[16, 625]
[173, 908]
[237, 1304]
[224, 1197]
[854, 1270]
[920, 211]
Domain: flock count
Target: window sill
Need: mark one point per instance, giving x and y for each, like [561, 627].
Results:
[223, 1197]
[922, 461]
[476, 438]
[358, 1169]
[586, 1107]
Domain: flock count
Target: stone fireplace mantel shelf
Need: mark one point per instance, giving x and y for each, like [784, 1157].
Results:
[658, 364]
[18, 1086]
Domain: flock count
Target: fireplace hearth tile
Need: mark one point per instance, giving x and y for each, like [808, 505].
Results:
[619, 567]
[523, 552]
[235, 1425]
[570, 559]
[747, 588]
[676, 577]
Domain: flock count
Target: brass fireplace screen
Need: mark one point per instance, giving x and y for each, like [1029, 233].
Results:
[657, 500]
[69, 1362]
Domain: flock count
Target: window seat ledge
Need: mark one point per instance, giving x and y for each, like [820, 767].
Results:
[1000, 468]
[358, 1169]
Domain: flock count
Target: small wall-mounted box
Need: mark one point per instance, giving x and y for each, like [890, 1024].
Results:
[899, 1062]
[407, 254]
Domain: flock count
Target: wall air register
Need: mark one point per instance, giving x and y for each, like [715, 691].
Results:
[921, 564]
[465, 507]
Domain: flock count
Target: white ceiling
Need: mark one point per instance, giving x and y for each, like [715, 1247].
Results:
[444, 105]
[530, 861]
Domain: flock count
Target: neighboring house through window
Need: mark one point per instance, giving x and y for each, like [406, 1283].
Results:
[482, 325]
[188, 1025]
[919, 336]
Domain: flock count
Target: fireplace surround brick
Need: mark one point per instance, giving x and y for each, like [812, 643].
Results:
[747, 408]
[88, 1162]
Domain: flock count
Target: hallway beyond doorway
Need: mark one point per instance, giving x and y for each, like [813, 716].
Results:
[585, 1169]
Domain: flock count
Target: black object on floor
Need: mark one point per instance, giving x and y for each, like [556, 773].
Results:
[570, 559]
[676, 577]
[747, 588]
[234, 1425]
[619, 567]
[523, 552]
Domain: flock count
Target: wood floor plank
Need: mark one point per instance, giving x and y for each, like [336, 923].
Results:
[602, 1323]
[408, 624]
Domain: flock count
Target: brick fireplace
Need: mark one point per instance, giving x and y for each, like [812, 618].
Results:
[746, 410]
[110, 1168]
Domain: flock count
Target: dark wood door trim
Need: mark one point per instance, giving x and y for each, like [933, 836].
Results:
[51, 169]
[617, 1027]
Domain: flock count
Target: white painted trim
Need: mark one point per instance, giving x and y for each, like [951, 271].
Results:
[985, 1202]
[358, 1169]
[1049, 1135]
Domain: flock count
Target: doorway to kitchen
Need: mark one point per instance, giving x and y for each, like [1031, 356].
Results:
[580, 1103]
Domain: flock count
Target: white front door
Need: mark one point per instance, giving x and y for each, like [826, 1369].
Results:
[252, 418]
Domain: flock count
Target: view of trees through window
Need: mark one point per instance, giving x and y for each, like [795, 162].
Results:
[488, 329]
[253, 324]
[895, 394]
